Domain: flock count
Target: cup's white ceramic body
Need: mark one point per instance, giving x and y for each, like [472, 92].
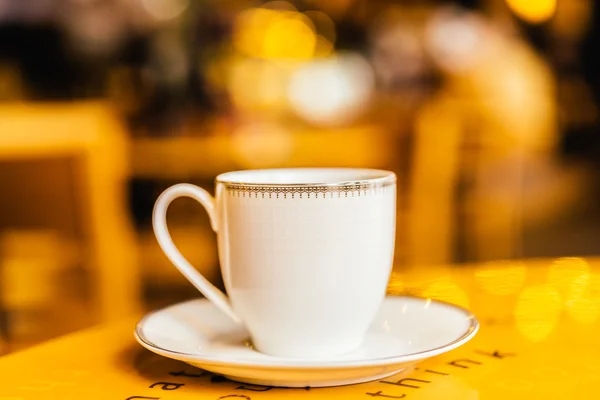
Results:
[305, 254]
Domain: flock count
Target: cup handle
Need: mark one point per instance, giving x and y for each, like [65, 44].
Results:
[159, 223]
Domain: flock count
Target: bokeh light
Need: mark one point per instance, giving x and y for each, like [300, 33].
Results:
[258, 84]
[501, 278]
[564, 271]
[324, 25]
[537, 312]
[572, 18]
[583, 299]
[330, 91]
[165, 9]
[275, 34]
[533, 11]
[456, 41]
[448, 291]
[291, 35]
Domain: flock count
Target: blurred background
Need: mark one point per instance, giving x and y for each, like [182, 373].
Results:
[487, 110]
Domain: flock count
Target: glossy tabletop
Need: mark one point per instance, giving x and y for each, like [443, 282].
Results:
[539, 339]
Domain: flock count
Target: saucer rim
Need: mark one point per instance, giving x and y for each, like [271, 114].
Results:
[273, 362]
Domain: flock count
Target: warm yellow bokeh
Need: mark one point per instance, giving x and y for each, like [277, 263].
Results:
[250, 27]
[256, 84]
[537, 312]
[501, 278]
[533, 11]
[276, 34]
[564, 271]
[583, 299]
[291, 36]
[448, 291]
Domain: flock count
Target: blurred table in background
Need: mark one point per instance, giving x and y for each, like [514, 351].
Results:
[540, 320]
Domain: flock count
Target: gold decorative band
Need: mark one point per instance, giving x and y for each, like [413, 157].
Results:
[362, 189]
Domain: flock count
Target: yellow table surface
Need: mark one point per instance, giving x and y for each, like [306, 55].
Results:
[539, 339]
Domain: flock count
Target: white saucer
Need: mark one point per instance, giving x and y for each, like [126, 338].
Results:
[407, 330]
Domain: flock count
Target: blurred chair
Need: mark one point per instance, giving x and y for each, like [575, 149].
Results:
[91, 138]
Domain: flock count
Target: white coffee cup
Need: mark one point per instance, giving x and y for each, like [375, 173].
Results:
[305, 253]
